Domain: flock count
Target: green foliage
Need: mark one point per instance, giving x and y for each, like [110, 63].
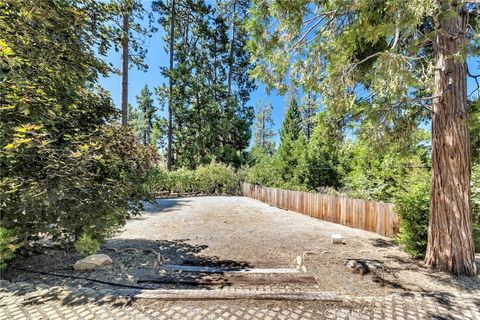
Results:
[65, 167]
[290, 158]
[182, 180]
[413, 207]
[292, 122]
[8, 245]
[217, 178]
[324, 162]
[210, 123]
[262, 169]
[381, 164]
[86, 245]
[214, 178]
[142, 118]
[263, 128]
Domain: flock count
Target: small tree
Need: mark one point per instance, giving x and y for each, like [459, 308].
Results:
[263, 128]
[292, 148]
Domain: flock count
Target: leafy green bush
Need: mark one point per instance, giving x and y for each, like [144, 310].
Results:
[8, 246]
[413, 207]
[86, 245]
[157, 179]
[217, 178]
[263, 171]
[209, 179]
[94, 187]
[182, 181]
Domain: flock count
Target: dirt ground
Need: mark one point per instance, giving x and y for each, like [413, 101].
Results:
[240, 232]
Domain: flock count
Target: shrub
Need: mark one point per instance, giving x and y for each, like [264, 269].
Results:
[86, 245]
[210, 179]
[93, 188]
[157, 179]
[182, 181]
[264, 172]
[217, 178]
[8, 246]
[413, 207]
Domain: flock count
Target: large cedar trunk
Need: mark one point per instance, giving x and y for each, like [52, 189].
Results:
[450, 240]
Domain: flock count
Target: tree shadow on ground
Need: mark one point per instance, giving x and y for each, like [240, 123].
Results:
[164, 204]
[389, 276]
[133, 259]
[383, 243]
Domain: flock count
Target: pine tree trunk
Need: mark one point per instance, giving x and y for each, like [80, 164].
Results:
[231, 49]
[146, 122]
[170, 100]
[450, 240]
[125, 29]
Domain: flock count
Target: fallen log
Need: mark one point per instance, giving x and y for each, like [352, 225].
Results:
[209, 269]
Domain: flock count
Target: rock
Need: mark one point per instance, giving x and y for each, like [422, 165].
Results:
[92, 262]
[357, 266]
[361, 269]
[337, 238]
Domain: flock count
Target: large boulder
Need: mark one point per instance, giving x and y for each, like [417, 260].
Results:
[92, 262]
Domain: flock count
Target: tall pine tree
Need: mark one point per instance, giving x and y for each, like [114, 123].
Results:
[207, 122]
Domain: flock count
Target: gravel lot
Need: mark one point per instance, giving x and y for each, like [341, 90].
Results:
[240, 232]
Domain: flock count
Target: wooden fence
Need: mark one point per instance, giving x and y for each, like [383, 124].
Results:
[372, 216]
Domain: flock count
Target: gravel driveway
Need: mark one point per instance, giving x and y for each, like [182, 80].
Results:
[238, 229]
[238, 232]
[244, 231]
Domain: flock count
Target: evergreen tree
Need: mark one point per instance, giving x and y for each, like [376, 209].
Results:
[309, 111]
[207, 122]
[403, 59]
[263, 129]
[135, 122]
[324, 154]
[148, 110]
[292, 145]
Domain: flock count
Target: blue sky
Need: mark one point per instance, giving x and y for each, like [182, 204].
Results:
[157, 58]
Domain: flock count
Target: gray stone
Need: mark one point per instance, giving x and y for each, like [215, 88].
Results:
[92, 262]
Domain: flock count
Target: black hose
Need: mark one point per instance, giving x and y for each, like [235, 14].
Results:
[80, 278]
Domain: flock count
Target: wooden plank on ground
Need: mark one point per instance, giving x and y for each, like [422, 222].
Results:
[220, 294]
[208, 269]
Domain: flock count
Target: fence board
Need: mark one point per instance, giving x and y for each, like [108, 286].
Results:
[372, 216]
